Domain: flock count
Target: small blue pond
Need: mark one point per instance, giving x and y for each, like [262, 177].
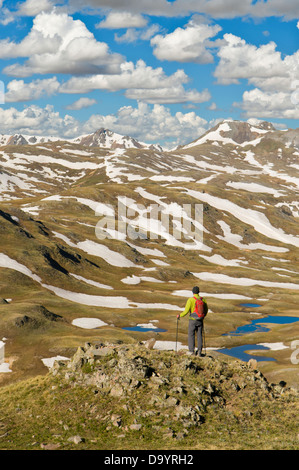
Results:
[239, 352]
[143, 329]
[249, 305]
[257, 325]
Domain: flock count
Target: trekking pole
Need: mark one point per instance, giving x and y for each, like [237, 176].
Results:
[204, 339]
[176, 338]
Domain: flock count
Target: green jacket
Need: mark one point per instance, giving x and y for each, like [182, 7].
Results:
[190, 306]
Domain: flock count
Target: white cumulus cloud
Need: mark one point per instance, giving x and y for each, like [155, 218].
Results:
[140, 82]
[188, 44]
[147, 123]
[133, 34]
[151, 124]
[59, 44]
[122, 19]
[215, 8]
[269, 104]
[18, 90]
[240, 60]
[33, 7]
[36, 120]
[273, 76]
[81, 103]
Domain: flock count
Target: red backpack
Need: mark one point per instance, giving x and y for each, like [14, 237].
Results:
[199, 307]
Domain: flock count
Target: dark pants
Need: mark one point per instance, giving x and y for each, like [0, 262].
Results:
[195, 327]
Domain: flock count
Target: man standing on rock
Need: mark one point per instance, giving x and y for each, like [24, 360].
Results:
[197, 308]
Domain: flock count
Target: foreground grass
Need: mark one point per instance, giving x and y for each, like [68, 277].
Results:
[46, 413]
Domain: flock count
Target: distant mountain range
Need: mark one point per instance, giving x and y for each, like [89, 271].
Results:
[48, 162]
[102, 138]
[228, 131]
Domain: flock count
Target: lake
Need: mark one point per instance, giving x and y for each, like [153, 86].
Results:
[258, 325]
[239, 352]
[249, 305]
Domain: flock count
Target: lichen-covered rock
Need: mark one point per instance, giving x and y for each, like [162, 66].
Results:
[165, 386]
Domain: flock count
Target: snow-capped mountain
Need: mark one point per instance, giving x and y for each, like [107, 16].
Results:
[20, 139]
[102, 138]
[243, 133]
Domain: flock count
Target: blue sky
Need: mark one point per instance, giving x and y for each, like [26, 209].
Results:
[160, 71]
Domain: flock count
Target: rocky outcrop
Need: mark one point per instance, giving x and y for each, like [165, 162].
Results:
[151, 383]
[17, 140]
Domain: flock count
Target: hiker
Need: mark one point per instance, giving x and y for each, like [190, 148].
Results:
[197, 307]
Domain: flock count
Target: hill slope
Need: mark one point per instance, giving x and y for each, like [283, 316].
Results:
[129, 397]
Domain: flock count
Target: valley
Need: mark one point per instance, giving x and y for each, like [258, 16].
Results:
[109, 233]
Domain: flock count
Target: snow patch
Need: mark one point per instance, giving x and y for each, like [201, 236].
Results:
[88, 323]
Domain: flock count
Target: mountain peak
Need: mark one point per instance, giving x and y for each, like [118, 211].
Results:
[267, 126]
[105, 138]
[234, 132]
[240, 131]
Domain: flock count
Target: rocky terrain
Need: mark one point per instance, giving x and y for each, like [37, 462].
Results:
[124, 396]
[121, 370]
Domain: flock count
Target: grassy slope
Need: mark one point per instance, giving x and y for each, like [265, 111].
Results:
[46, 412]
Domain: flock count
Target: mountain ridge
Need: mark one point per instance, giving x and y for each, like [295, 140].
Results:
[102, 138]
[243, 133]
[227, 131]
